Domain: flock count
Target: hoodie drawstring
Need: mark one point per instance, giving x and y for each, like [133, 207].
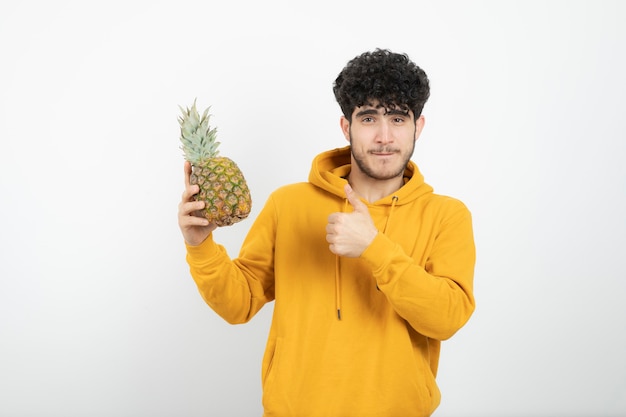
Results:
[338, 275]
[394, 200]
[337, 288]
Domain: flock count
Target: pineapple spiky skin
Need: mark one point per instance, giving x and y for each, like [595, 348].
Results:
[222, 185]
[224, 190]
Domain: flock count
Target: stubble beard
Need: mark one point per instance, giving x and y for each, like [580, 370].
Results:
[371, 172]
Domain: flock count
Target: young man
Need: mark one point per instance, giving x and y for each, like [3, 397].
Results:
[368, 268]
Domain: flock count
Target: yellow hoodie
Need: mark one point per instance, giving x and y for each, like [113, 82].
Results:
[410, 289]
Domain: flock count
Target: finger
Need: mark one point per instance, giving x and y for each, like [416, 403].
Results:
[190, 192]
[353, 199]
[187, 173]
[192, 221]
[186, 217]
[333, 249]
[187, 209]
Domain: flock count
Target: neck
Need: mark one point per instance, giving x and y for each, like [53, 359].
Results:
[372, 189]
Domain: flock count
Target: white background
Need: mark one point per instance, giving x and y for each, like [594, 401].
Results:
[98, 313]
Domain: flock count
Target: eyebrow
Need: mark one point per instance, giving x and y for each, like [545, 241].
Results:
[392, 112]
[367, 112]
[395, 112]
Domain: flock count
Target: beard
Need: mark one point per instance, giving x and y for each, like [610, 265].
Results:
[385, 172]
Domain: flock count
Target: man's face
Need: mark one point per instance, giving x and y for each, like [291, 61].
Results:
[382, 140]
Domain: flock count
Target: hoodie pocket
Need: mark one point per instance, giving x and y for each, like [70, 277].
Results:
[271, 361]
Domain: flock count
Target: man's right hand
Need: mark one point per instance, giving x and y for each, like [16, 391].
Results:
[195, 229]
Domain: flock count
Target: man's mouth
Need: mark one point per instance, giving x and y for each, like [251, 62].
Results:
[383, 152]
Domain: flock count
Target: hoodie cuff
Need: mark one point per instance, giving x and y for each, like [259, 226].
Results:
[200, 251]
[379, 253]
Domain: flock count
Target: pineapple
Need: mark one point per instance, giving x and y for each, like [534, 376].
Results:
[222, 185]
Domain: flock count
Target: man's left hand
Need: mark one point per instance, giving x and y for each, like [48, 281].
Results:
[349, 234]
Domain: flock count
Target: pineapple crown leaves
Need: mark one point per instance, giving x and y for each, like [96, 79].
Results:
[197, 137]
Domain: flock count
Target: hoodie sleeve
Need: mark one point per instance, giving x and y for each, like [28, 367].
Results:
[436, 298]
[237, 289]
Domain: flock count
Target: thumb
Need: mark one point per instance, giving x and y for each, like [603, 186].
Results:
[353, 199]
[187, 173]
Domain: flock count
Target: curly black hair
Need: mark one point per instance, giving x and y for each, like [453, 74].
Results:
[382, 76]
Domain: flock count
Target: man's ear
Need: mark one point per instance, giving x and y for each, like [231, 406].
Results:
[345, 127]
[419, 125]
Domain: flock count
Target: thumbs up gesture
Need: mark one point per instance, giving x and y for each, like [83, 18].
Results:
[349, 234]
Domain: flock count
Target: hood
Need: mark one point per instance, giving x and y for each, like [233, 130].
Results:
[330, 168]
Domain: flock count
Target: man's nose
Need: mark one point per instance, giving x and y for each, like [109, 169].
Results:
[384, 133]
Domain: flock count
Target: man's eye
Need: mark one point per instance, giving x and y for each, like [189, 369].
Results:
[368, 119]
